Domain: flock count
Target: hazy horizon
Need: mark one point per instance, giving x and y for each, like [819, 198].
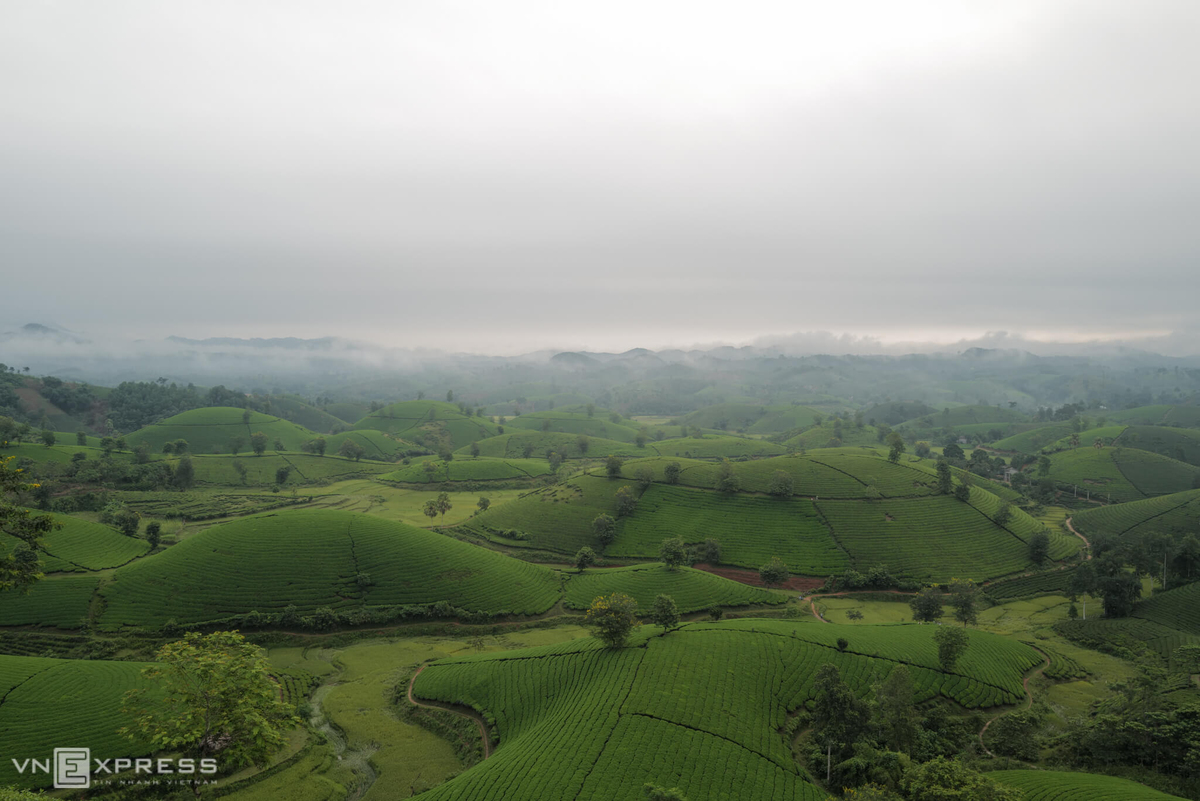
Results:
[482, 178]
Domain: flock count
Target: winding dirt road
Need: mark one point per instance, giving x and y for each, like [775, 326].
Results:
[466, 712]
[1087, 546]
[1028, 699]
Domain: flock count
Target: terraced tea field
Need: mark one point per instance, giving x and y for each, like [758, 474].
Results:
[210, 430]
[1124, 474]
[82, 545]
[432, 422]
[751, 530]
[469, 469]
[1177, 609]
[1053, 785]
[54, 702]
[692, 589]
[1175, 513]
[61, 601]
[697, 709]
[317, 558]
[714, 447]
[932, 539]
[515, 445]
[574, 424]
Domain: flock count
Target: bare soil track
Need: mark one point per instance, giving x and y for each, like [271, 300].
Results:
[456, 709]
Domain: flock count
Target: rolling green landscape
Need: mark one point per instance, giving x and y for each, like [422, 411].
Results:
[430, 581]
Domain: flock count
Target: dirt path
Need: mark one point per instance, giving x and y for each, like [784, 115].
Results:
[456, 709]
[1028, 699]
[1087, 546]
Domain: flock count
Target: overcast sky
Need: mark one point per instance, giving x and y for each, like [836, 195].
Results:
[504, 176]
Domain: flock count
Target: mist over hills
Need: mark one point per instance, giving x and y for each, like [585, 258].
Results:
[815, 368]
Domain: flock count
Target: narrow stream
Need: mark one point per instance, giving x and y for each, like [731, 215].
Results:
[358, 759]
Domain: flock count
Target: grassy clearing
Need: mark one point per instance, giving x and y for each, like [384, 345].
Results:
[405, 505]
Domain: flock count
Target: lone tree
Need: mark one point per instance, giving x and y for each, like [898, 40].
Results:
[774, 572]
[614, 617]
[582, 442]
[351, 450]
[926, 605]
[673, 552]
[782, 484]
[185, 473]
[19, 569]
[665, 613]
[613, 465]
[1004, 516]
[951, 644]
[585, 557]
[1039, 547]
[896, 443]
[964, 597]
[626, 502]
[212, 696]
[154, 533]
[430, 509]
[671, 472]
[605, 529]
[483, 503]
[258, 443]
[1082, 584]
[236, 444]
[48, 438]
[726, 480]
[945, 481]
[963, 491]
[281, 475]
[712, 551]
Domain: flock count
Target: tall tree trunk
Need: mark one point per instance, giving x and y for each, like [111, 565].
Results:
[828, 763]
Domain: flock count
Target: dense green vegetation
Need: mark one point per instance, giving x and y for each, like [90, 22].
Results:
[468, 469]
[436, 425]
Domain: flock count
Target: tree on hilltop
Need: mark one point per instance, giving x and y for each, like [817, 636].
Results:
[673, 552]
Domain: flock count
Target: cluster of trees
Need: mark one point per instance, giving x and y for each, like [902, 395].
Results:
[886, 747]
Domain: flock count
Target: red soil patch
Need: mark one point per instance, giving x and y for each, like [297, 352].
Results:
[751, 577]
